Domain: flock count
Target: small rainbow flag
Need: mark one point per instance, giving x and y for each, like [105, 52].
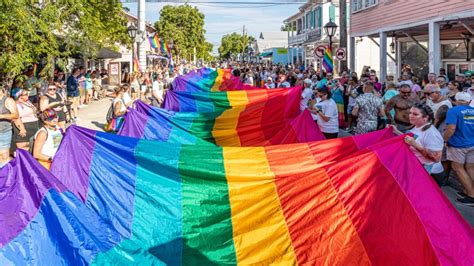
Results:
[136, 62]
[327, 61]
[163, 46]
[153, 42]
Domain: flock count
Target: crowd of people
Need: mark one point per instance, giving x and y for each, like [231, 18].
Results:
[437, 112]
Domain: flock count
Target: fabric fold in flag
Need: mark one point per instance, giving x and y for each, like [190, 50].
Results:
[203, 102]
[158, 124]
[323, 202]
[43, 223]
[209, 80]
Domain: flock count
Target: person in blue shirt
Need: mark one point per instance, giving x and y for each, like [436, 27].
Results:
[72, 89]
[459, 136]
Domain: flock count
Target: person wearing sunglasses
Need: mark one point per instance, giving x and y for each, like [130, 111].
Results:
[27, 124]
[47, 139]
[402, 104]
[53, 100]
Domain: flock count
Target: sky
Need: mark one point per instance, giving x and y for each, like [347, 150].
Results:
[225, 19]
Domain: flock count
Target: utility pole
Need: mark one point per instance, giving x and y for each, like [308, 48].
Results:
[244, 44]
[343, 31]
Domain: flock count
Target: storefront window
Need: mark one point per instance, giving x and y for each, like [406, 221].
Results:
[454, 51]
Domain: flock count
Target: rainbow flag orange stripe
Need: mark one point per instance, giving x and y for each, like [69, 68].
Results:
[314, 203]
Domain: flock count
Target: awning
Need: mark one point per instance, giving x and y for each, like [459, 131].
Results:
[106, 53]
[265, 54]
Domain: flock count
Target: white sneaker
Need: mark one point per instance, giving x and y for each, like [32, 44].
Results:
[77, 119]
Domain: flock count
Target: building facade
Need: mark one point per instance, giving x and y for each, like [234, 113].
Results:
[307, 31]
[426, 35]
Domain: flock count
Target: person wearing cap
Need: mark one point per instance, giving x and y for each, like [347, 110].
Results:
[459, 136]
[27, 124]
[306, 94]
[47, 138]
[327, 114]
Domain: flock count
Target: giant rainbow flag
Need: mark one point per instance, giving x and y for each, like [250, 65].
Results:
[282, 100]
[206, 79]
[41, 223]
[237, 129]
[335, 202]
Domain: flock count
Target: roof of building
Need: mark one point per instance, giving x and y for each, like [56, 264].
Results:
[272, 40]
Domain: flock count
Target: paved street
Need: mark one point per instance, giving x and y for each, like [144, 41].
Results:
[93, 117]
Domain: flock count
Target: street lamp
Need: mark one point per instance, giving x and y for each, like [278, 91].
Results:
[132, 33]
[330, 29]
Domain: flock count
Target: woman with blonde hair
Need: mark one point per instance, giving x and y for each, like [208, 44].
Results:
[47, 139]
[27, 124]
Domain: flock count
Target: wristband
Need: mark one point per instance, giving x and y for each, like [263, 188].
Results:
[50, 159]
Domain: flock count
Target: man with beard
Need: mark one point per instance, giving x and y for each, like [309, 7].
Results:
[402, 104]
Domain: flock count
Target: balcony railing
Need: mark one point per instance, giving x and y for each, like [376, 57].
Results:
[314, 34]
[297, 39]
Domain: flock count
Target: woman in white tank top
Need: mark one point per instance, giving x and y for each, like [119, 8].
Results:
[47, 139]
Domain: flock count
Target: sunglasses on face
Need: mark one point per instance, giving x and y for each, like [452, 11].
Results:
[405, 92]
[51, 118]
[52, 89]
[427, 93]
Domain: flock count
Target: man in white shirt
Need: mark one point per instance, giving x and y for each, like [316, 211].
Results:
[306, 94]
[434, 98]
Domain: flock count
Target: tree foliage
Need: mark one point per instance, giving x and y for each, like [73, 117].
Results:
[184, 25]
[35, 31]
[234, 44]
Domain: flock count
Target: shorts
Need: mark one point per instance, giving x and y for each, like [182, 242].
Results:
[461, 155]
[30, 127]
[81, 92]
[74, 100]
[5, 140]
[61, 116]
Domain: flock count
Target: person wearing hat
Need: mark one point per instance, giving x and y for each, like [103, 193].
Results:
[299, 80]
[269, 84]
[327, 114]
[306, 94]
[27, 124]
[459, 136]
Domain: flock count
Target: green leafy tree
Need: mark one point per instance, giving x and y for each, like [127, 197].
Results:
[184, 25]
[234, 44]
[37, 31]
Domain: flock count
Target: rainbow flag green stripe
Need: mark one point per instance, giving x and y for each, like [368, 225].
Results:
[287, 204]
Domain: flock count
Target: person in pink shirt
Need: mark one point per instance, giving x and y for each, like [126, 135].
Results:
[27, 123]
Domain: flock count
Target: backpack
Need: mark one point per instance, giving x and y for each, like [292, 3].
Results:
[110, 113]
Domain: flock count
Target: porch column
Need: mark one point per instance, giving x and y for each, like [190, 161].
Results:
[352, 49]
[434, 47]
[288, 51]
[383, 56]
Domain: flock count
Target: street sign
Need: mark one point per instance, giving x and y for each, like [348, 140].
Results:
[341, 54]
[319, 51]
